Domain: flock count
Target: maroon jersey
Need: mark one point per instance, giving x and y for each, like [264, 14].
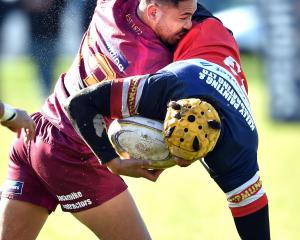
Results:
[117, 44]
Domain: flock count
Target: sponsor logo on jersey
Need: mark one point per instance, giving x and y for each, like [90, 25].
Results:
[114, 54]
[227, 86]
[12, 187]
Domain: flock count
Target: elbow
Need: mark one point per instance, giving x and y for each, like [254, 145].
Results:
[72, 106]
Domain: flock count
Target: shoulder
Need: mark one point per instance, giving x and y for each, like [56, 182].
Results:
[165, 76]
[210, 26]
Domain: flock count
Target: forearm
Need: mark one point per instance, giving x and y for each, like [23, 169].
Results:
[86, 111]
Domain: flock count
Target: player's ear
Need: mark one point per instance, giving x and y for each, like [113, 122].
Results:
[152, 11]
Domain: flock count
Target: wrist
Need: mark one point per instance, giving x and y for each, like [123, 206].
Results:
[114, 165]
[9, 113]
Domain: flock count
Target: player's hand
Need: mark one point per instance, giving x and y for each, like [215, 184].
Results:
[182, 162]
[22, 121]
[133, 168]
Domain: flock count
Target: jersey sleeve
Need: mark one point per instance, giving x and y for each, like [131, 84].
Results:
[146, 95]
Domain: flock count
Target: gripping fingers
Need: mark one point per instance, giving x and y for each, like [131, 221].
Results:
[151, 175]
[182, 162]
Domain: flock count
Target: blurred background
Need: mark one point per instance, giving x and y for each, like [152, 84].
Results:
[38, 41]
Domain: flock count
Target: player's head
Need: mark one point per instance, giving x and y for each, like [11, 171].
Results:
[169, 19]
[191, 128]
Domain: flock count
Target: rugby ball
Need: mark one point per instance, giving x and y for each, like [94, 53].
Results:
[140, 138]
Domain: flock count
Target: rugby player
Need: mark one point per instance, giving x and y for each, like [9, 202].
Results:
[124, 38]
[206, 66]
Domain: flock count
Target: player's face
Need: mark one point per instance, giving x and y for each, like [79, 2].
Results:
[173, 22]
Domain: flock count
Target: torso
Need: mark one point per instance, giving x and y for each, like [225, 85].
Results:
[117, 44]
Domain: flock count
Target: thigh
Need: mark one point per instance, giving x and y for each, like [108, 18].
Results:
[23, 182]
[70, 171]
[115, 219]
[20, 220]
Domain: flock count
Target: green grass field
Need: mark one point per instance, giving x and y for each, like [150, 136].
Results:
[184, 204]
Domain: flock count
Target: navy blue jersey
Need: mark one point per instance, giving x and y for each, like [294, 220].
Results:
[237, 146]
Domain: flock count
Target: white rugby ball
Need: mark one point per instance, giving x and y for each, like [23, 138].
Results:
[140, 138]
